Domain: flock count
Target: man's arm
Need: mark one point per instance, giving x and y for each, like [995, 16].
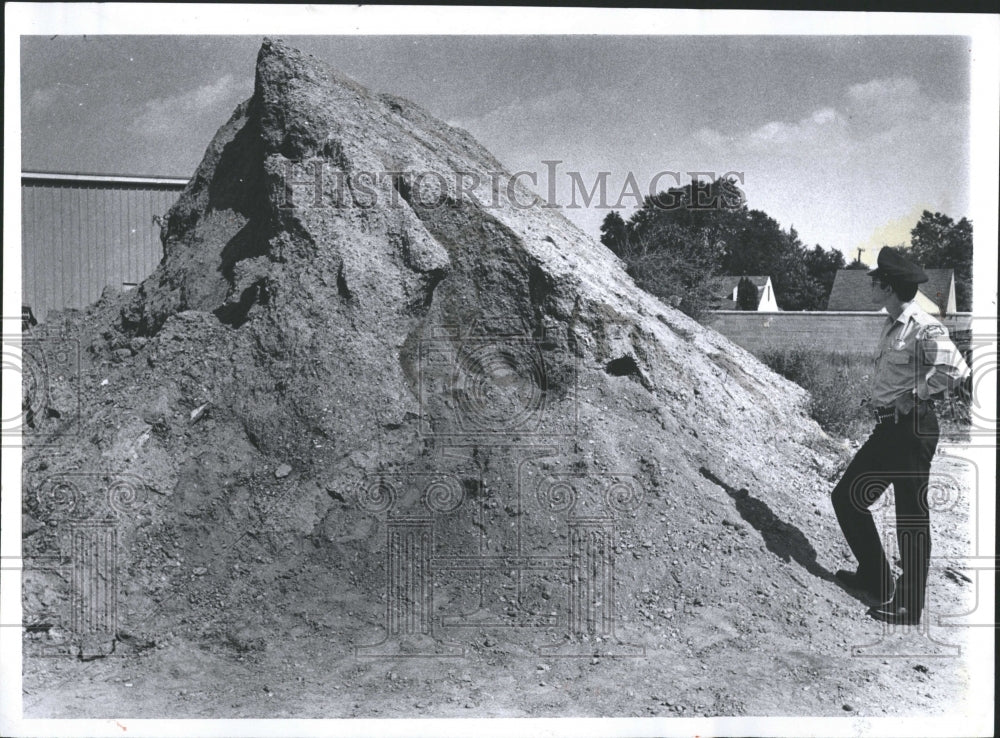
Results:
[941, 363]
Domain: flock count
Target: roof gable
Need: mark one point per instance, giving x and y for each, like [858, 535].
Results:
[938, 286]
[852, 289]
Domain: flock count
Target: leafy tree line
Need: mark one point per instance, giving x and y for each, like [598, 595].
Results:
[938, 242]
[678, 240]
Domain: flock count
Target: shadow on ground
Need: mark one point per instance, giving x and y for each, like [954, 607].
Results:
[782, 539]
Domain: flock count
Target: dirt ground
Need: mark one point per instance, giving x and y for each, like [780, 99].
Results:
[707, 655]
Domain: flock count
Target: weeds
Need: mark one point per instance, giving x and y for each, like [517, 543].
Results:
[838, 383]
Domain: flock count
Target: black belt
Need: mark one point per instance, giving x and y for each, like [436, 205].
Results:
[885, 415]
[891, 414]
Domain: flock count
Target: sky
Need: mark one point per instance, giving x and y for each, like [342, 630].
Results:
[845, 138]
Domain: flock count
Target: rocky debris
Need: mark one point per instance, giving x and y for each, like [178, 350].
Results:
[347, 328]
[198, 412]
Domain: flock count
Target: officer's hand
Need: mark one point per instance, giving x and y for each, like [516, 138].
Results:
[964, 390]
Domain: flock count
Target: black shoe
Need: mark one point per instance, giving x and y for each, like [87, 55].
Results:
[880, 592]
[894, 614]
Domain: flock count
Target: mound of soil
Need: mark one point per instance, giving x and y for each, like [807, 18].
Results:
[376, 439]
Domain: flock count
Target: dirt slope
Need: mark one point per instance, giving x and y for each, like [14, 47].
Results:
[405, 413]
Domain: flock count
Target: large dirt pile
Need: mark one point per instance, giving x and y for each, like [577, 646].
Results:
[402, 412]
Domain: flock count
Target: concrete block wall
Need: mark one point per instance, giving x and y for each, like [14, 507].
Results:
[840, 332]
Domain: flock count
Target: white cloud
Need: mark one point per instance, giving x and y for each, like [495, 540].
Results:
[837, 172]
[163, 116]
[825, 125]
[875, 110]
[885, 105]
[848, 168]
[879, 91]
[824, 115]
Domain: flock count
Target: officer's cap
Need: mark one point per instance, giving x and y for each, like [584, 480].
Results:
[892, 265]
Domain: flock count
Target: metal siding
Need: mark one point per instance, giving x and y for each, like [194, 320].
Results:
[121, 234]
[91, 238]
[80, 246]
[74, 252]
[138, 235]
[105, 243]
[49, 231]
[134, 233]
[154, 232]
[79, 237]
[28, 271]
[145, 232]
[44, 277]
[164, 203]
[96, 213]
[60, 210]
[127, 251]
[105, 210]
[68, 264]
[125, 245]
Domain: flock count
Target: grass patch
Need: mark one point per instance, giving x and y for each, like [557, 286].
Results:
[837, 383]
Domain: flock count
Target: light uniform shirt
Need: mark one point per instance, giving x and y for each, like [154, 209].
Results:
[916, 358]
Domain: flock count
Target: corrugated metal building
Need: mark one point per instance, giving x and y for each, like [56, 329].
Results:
[83, 232]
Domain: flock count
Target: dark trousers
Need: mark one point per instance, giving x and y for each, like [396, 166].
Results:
[898, 454]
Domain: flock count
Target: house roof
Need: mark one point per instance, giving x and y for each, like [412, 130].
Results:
[852, 289]
[722, 303]
[937, 287]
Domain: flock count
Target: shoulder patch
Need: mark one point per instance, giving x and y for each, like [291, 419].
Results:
[933, 330]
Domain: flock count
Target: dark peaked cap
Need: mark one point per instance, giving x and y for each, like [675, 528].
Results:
[893, 265]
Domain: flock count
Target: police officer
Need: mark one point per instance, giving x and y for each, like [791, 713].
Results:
[916, 362]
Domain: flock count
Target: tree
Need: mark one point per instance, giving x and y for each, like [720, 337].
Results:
[746, 295]
[938, 242]
[802, 278]
[675, 264]
[822, 267]
[682, 237]
[857, 264]
[757, 245]
[614, 234]
[673, 244]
